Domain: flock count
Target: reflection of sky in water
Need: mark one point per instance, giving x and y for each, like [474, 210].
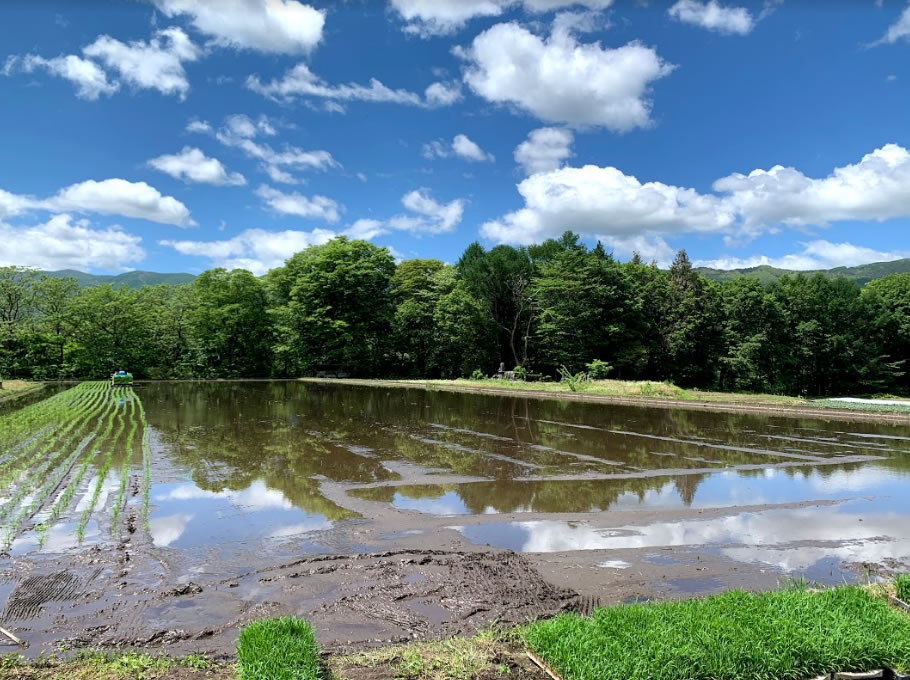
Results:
[187, 515]
[859, 530]
[721, 489]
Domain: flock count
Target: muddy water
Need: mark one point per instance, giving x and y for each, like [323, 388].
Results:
[252, 484]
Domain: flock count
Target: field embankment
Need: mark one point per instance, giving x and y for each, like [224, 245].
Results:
[10, 389]
[648, 393]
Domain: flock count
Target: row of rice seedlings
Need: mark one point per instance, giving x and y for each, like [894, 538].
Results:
[39, 445]
[146, 464]
[21, 424]
[127, 459]
[31, 507]
[86, 418]
[102, 475]
[66, 496]
[32, 430]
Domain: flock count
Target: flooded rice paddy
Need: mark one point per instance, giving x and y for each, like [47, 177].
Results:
[171, 513]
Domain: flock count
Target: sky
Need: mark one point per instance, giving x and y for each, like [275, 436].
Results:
[180, 135]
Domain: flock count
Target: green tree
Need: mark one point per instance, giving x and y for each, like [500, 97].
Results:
[333, 308]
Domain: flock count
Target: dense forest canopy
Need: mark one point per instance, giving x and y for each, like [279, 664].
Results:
[346, 307]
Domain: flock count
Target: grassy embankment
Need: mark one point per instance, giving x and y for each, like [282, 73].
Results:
[790, 634]
[633, 390]
[13, 388]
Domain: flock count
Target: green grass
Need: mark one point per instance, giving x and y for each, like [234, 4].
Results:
[902, 587]
[785, 635]
[278, 649]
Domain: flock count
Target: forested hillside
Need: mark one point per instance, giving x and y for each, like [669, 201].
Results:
[134, 279]
[862, 274]
[347, 307]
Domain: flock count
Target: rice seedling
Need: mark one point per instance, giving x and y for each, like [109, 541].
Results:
[127, 459]
[784, 635]
[146, 464]
[278, 649]
[902, 587]
[102, 475]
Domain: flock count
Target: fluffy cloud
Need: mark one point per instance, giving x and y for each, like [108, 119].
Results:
[61, 243]
[257, 250]
[899, 30]
[431, 217]
[300, 81]
[240, 132]
[461, 146]
[278, 26]
[192, 165]
[596, 200]
[14, 204]
[713, 16]
[440, 17]
[544, 150]
[89, 78]
[156, 64]
[815, 255]
[317, 207]
[560, 80]
[120, 197]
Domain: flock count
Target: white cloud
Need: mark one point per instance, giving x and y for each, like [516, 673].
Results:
[560, 80]
[592, 199]
[815, 255]
[649, 247]
[713, 16]
[432, 217]
[317, 207]
[440, 17]
[89, 78]
[257, 250]
[278, 26]
[156, 64]
[300, 81]
[899, 30]
[239, 131]
[461, 146]
[194, 166]
[442, 94]
[14, 204]
[120, 197]
[598, 200]
[544, 150]
[61, 243]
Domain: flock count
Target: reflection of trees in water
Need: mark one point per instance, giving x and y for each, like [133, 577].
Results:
[550, 496]
[285, 432]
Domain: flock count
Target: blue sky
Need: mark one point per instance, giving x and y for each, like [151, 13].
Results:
[177, 135]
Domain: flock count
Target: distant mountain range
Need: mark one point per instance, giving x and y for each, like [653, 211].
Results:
[125, 280]
[862, 274]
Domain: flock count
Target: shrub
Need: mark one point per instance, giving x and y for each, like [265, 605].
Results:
[598, 370]
[278, 649]
[521, 373]
[575, 383]
[477, 374]
[902, 586]
[788, 634]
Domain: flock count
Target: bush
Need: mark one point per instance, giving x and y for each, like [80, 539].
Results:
[598, 370]
[521, 373]
[575, 383]
[278, 649]
[788, 634]
[902, 586]
[477, 374]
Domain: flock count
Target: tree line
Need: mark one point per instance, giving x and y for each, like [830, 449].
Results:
[346, 307]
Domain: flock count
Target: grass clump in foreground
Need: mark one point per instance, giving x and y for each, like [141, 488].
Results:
[278, 649]
[785, 635]
[902, 587]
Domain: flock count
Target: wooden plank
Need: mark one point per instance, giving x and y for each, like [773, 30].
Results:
[900, 604]
[543, 665]
[12, 637]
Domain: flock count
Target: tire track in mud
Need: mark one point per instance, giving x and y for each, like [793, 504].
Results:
[32, 593]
